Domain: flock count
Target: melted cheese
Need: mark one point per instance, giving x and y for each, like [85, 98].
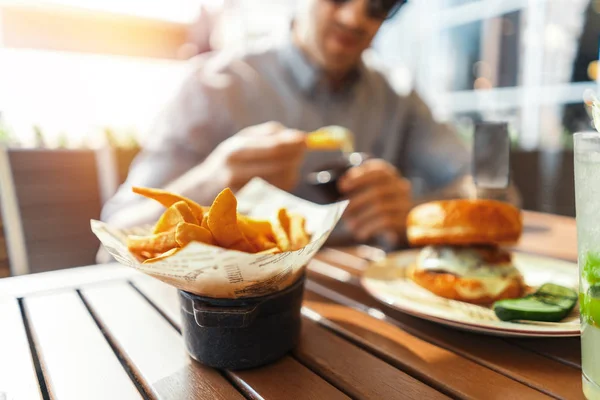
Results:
[467, 263]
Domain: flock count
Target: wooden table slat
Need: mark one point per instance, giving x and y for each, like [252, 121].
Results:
[255, 384]
[565, 350]
[23, 285]
[438, 367]
[349, 261]
[165, 297]
[77, 361]
[285, 379]
[122, 341]
[355, 371]
[18, 379]
[560, 387]
[550, 235]
[153, 347]
[495, 353]
[345, 258]
[340, 346]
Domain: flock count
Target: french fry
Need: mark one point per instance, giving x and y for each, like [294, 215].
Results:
[174, 215]
[204, 223]
[284, 220]
[186, 233]
[222, 222]
[281, 236]
[153, 244]
[265, 243]
[273, 250]
[330, 138]
[260, 226]
[162, 256]
[167, 199]
[317, 141]
[257, 237]
[297, 234]
[185, 221]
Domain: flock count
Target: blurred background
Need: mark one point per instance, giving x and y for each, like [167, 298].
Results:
[81, 82]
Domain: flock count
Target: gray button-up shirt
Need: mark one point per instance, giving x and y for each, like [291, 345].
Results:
[228, 92]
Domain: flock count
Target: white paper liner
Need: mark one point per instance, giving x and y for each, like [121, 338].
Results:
[216, 272]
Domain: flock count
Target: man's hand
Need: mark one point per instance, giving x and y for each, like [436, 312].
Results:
[379, 198]
[269, 151]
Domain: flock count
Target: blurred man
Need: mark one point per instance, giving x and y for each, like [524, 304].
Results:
[244, 115]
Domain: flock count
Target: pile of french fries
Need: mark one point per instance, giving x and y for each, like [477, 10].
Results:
[186, 221]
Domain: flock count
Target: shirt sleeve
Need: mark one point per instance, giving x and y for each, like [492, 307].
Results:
[194, 122]
[433, 156]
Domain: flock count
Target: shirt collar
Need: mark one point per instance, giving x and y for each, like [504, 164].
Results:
[308, 75]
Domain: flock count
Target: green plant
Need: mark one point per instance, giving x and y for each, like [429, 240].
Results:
[6, 134]
[130, 139]
[39, 140]
[63, 141]
[125, 138]
[110, 137]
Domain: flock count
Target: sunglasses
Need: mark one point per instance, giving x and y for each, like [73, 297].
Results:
[379, 9]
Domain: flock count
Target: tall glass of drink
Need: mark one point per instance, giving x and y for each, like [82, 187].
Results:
[587, 197]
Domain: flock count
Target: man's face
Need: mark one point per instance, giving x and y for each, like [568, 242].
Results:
[336, 34]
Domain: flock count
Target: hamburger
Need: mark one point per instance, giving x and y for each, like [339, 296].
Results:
[462, 258]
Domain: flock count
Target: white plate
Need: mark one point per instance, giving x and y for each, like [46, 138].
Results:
[386, 281]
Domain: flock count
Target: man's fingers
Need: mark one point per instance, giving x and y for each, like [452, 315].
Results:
[283, 171]
[365, 198]
[286, 144]
[395, 209]
[366, 175]
[264, 129]
[264, 168]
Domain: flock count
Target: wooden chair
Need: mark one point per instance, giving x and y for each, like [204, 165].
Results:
[12, 231]
[4, 267]
[545, 181]
[48, 198]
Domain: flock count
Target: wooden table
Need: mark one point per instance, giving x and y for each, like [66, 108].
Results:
[108, 332]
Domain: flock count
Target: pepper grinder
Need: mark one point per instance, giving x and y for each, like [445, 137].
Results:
[491, 160]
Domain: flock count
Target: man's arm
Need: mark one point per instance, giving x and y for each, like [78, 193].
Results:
[195, 151]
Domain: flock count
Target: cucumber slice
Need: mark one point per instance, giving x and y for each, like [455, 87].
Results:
[557, 295]
[527, 309]
[551, 303]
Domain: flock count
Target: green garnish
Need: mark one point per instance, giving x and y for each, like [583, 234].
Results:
[591, 268]
[590, 305]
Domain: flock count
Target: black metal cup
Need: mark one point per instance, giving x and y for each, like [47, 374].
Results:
[241, 333]
[325, 177]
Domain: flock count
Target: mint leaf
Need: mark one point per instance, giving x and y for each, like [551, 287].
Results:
[591, 268]
[591, 305]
